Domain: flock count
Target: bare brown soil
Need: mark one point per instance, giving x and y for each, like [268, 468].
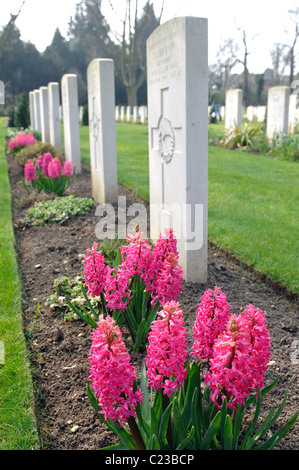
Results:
[59, 349]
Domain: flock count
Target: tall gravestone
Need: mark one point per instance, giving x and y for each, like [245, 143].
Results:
[177, 65]
[102, 132]
[277, 111]
[44, 113]
[54, 117]
[69, 93]
[37, 110]
[31, 110]
[233, 108]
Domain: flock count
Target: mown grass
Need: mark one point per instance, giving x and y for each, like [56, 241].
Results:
[17, 421]
[253, 201]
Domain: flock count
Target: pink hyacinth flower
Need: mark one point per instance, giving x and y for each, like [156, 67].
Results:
[112, 373]
[39, 161]
[54, 168]
[240, 358]
[29, 171]
[212, 316]
[169, 281]
[68, 168]
[167, 350]
[46, 160]
[95, 271]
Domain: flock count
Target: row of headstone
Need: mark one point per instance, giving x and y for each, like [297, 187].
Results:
[256, 112]
[177, 64]
[281, 113]
[131, 114]
[45, 116]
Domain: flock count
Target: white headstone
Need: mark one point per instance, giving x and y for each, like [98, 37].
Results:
[222, 112]
[69, 93]
[44, 114]
[250, 113]
[277, 111]
[37, 110]
[177, 65]
[122, 113]
[233, 108]
[261, 112]
[293, 113]
[81, 113]
[101, 106]
[142, 111]
[135, 114]
[117, 113]
[54, 115]
[31, 110]
[128, 113]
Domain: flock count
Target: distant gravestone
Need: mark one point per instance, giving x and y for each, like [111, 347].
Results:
[37, 110]
[129, 113]
[135, 114]
[122, 113]
[54, 115]
[2, 92]
[293, 113]
[102, 132]
[261, 112]
[117, 113]
[177, 66]
[31, 110]
[69, 93]
[44, 114]
[233, 108]
[277, 111]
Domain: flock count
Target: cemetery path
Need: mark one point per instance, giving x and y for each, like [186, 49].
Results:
[59, 348]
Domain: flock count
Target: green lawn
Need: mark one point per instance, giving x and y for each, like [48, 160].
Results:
[17, 422]
[253, 201]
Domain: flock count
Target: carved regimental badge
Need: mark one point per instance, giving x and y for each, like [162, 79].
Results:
[166, 140]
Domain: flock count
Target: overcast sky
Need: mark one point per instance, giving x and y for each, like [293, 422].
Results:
[266, 22]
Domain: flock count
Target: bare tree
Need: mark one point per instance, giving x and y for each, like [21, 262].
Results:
[226, 61]
[278, 57]
[135, 31]
[290, 56]
[8, 28]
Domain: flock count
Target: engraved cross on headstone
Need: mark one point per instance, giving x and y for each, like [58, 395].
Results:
[165, 137]
[95, 131]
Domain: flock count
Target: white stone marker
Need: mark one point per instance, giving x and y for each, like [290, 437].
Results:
[177, 64]
[102, 132]
[233, 108]
[128, 113]
[31, 109]
[54, 115]
[261, 112]
[122, 113]
[117, 113]
[293, 113]
[135, 114]
[37, 110]
[69, 92]
[44, 113]
[277, 111]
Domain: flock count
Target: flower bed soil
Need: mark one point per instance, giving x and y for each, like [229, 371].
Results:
[59, 349]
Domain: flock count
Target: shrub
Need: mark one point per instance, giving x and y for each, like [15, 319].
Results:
[244, 137]
[56, 211]
[31, 152]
